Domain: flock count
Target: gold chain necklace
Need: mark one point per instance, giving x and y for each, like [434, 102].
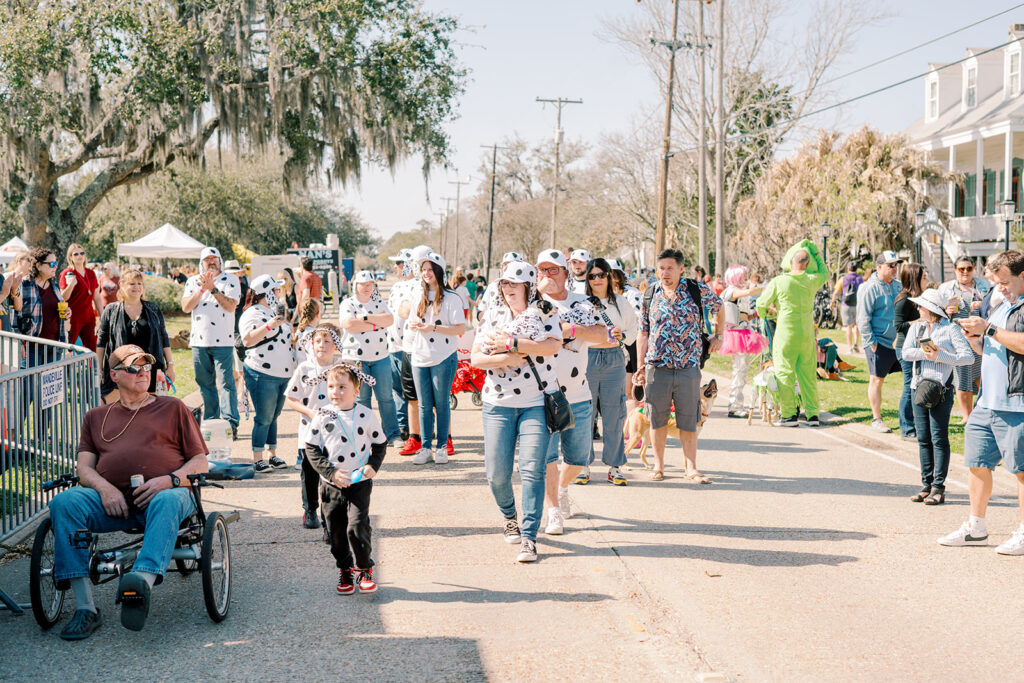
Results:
[103, 425]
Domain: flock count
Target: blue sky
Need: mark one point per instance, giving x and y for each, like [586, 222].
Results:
[517, 51]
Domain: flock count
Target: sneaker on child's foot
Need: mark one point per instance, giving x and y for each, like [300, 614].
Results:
[1014, 545]
[813, 421]
[422, 457]
[527, 551]
[262, 466]
[564, 505]
[963, 536]
[345, 586]
[277, 463]
[880, 427]
[512, 533]
[440, 456]
[310, 521]
[583, 477]
[556, 524]
[365, 581]
[412, 447]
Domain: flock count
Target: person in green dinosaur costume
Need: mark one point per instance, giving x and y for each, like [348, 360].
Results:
[794, 351]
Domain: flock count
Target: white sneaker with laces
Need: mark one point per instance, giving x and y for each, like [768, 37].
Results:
[962, 536]
[527, 551]
[440, 456]
[556, 524]
[880, 427]
[423, 457]
[564, 505]
[1014, 545]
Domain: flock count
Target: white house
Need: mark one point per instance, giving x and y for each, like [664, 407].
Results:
[974, 122]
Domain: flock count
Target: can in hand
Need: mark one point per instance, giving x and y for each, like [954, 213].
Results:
[135, 482]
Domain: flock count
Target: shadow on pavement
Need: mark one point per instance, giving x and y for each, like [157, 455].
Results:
[751, 557]
[471, 594]
[739, 446]
[752, 532]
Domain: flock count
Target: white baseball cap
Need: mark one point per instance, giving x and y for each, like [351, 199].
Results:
[580, 255]
[403, 255]
[265, 284]
[510, 256]
[210, 251]
[887, 257]
[362, 276]
[615, 265]
[551, 256]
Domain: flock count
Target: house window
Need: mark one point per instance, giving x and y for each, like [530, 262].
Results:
[933, 99]
[1014, 80]
[972, 87]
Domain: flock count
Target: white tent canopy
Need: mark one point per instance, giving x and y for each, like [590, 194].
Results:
[9, 248]
[164, 242]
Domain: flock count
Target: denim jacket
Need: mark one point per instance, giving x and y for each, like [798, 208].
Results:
[954, 349]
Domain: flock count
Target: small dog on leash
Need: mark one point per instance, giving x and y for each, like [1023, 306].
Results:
[766, 394]
[638, 424]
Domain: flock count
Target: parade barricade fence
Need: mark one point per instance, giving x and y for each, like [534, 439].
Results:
[46, 387]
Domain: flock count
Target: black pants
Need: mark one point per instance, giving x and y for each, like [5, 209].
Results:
[347, 514]
[310, 485]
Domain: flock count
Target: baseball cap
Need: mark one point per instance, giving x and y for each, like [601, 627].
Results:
[265, 284]
[510, 256]
[127, 354]
[210, 251]
[580, 255]
[519, 271]
[887, 257]
[615, 265]
[362, 276]
[403, 255]
[551, 256]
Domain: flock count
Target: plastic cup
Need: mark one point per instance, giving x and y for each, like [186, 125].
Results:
[62, 308]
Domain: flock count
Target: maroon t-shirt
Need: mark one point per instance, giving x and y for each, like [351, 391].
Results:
[81, 298]
[159, 440]
[51, 317]
[311, 281]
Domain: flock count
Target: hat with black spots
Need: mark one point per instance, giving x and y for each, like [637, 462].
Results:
[521, 272]
[615, 265]
[211, 251]
[510, 256]
[436, 259]
[580, 255]
[551, 256]
[402, 256]
[265, 285]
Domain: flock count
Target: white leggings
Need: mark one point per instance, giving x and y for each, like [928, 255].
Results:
[740, 364]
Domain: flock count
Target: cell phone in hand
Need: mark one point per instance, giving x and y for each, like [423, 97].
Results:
[928, 345]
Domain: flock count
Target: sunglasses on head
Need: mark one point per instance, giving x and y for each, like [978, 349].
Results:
[135, 369]
[596, 276]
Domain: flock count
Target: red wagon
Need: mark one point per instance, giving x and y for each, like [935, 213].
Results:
[467, 378]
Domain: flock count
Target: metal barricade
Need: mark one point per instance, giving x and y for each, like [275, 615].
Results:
[46, 388]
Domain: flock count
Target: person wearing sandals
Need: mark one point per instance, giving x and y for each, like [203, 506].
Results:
[606, 365]
[933, 347]
[269, 364]
[511, 332]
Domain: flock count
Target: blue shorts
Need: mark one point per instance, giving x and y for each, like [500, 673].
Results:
[994, 435]
[882, 362]
[576, 442]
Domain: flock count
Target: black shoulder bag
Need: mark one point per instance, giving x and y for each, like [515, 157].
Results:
[556, 406]
[928, 392]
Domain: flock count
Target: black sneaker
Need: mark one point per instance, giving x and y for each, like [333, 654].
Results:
[234, 432]
[82, 625]
[133, 593]
[277, 463]
[262, 466]
[788, 421]
[512, 533]
[813, 421]
[310, 521]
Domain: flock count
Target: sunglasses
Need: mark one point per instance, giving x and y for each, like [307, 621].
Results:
[79, 253]
[135, 369]
[968, 269]
[52, 264]
[596, 276]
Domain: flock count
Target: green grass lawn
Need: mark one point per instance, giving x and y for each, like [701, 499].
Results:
[186, 381]
[848, 400]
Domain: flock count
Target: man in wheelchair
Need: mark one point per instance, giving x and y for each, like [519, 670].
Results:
[140, 434]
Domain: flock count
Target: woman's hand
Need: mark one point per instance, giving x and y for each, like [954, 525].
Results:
[369, 472]
[931, 353]
[169, 373]
[276, 322]
[616, 333]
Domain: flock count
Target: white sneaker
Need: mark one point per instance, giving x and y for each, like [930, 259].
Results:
[962, 536]
[440, 456]
[1013, 546]
[564, 506]
[556, 524]
[527, 551]
[422, 458]
[880, 427]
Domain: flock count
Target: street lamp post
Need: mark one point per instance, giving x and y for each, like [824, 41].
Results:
[919, 218]
[1008, 209]
[826, 232]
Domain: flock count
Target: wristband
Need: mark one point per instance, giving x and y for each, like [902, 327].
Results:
[373, 326]
[572, 333]
[269, 329]
[508, 344]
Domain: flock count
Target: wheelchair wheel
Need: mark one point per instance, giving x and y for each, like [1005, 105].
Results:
[47, 599]
[453, 401]
[478, 400]
[186, 567]
[215, 562]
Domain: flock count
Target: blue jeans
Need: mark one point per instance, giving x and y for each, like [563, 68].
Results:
[606, 374]
[396, 391]
[213, 367]
[907, 418]
[380, 370]
[81, 508]
[502, 426]
[433, 387]
[932, 426]
[578, 442]
[267, 394]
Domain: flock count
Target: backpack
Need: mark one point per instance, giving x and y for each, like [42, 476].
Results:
[693, 289]
[850, 292]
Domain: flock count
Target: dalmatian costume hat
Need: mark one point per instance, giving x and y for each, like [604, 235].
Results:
[211, 251]
[510, 256]
[435, 259]
[403, 256]
[551, 256]
[615, 265]
[580, 255]
[521, 272]
[265, 285]
[362, 276]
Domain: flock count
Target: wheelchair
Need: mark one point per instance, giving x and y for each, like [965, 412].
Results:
[203, 545]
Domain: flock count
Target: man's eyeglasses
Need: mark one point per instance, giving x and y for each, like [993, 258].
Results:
[596, 276]
[550, 271]
[135, 369]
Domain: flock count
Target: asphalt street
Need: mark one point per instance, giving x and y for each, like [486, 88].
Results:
[803, 560]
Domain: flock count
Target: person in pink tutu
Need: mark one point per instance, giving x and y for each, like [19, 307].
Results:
[741, 341]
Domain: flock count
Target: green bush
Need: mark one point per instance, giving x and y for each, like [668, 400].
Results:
[164, 292]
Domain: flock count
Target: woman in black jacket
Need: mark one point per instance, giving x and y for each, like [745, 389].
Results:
[912, 278]
[132, 320]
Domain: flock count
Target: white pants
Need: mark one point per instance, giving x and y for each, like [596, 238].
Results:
[740, 364]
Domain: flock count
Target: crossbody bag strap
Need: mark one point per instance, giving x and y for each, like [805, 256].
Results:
[536, 375]
[694, 290]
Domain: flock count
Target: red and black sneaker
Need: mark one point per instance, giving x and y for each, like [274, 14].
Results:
[345, 586]
[449, 446]
[365, 581]
[412, 447]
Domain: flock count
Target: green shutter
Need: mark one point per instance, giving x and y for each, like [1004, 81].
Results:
[970, 185]
[990, 193]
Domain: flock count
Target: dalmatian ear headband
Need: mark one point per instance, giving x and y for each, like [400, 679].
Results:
[307, 340]
[362, 376]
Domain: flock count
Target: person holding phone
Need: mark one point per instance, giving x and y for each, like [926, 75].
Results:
[268, 366]
[965, 293]
[934, 347]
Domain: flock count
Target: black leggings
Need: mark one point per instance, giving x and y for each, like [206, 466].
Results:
[347, 514]
[310, 485]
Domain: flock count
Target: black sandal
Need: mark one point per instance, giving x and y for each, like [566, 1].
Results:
[936, 498]
[921, 495]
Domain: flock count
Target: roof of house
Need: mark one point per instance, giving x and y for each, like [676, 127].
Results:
[992, 110]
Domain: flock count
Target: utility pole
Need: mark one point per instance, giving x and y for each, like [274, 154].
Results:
[443, 247]
[458, 192]
[558, 141]
[720, 146]
[490, 226]
[441, 218]
[702, 178]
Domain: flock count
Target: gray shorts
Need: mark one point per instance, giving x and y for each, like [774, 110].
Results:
[967, 374]
[848, 314]
[668, 386]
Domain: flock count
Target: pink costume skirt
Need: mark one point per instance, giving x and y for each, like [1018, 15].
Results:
[740, 340]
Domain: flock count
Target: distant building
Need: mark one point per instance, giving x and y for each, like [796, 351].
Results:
[974, 122]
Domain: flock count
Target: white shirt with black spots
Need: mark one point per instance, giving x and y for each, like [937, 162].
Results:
[636, 298]
[313, 397]
[211, 324]
[490, 300]
[577, 286]
[399, 291]
[517, 387]
[412, 294]
[571, 361]
[363, 346]
[275, 358]
[429, 348]
[346, 436]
